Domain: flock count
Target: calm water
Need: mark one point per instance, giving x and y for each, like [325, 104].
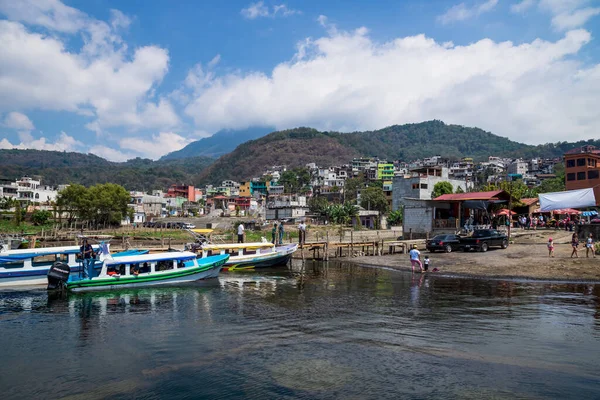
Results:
[321, 332]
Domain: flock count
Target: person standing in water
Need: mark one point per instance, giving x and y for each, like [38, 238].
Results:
[589, 246]
[415, 258]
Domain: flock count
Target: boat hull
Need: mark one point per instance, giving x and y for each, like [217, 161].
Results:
[281, 256]
[162, 278]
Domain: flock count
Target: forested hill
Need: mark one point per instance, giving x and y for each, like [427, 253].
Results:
[299, 146]
[55, 167]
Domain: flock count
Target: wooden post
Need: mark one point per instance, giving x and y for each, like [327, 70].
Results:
[352, 243]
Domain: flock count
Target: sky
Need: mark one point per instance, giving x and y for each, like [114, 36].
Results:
[142, 78]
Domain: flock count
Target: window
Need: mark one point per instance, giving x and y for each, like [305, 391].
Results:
[44, 260]
[593, 174]
[570, 163]
[581, 176]
[423, 186]
[415, 186]
[571, 176]
[591, 162]
[581, 162]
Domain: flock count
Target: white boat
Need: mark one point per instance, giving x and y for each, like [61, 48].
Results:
[169, 268]
[246, 256]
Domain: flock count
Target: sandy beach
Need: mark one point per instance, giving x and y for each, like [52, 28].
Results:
[526, 258]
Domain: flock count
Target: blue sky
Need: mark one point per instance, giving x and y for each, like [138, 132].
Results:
[123, 79]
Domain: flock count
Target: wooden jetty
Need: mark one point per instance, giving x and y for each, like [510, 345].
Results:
[322, 250]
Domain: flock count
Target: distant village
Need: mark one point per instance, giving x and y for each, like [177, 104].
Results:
[264, 197]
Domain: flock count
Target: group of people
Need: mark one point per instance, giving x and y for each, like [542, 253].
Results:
[529, 222]
[277, 233]
[415, 260]
[589, 246]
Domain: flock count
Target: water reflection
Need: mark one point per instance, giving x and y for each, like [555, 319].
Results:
[315, 330]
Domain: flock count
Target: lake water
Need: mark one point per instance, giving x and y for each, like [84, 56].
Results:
[321, 331]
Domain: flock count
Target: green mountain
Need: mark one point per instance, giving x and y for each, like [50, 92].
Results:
[293, 148]
[55, 167]
[218, 144]
[297, 147]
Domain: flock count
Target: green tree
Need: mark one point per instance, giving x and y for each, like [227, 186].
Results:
[318, 205]
[41, 217]
[396, 217]
[352, 186]
[441, 188]
[73, 200]
[108, 204]
[373, 198]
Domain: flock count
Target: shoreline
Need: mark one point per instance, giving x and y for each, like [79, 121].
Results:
[526, 260]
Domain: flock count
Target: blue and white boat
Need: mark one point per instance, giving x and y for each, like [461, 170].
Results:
[144, 270]
[28, 267]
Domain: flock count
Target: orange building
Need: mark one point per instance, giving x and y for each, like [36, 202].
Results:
[185, 191]
[582, 169]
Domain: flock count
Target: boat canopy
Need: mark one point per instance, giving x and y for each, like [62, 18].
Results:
[568, 199]
[231, 246]
[141, 258]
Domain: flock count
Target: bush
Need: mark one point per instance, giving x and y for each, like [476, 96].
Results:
[41, 217]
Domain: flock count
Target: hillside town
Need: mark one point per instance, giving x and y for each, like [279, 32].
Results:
[281, 193]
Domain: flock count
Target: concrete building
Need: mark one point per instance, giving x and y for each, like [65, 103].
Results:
[582, 169]
[286, 207]
[31, 190]
[419, 185]
[518, 167]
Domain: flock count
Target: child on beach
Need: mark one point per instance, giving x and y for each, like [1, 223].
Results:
[574, 245]
[426, 263]
[550, 247]
[589, 246]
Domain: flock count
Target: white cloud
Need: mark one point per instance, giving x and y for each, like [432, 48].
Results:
[259, 9]
[18, 121]
[531, 92]
[157, 145]
[63, 143]
[110, 154]
[461, 12]
[103, 78]
[522, 6]
[569, 14]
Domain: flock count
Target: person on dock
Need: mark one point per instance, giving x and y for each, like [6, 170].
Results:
[589, 246]
[87, 254]
[415, 258]
[240, 233]
[574, 245]
[274, 233]
[301, 233]
[281, 233]
[550, 247]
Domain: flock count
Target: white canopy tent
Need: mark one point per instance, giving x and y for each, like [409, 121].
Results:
[569, 199]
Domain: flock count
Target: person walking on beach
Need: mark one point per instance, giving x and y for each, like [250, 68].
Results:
[550, 247]
[274, 233]
[426, 263]
[574, 244]
[589, 246]
[281, 232]
[240, 233]
[415, 258]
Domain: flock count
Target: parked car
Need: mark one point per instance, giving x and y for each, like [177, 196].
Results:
[445, 243]
[188, 226]
[483, 239]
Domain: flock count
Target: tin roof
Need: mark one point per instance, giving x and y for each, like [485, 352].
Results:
[493, 195]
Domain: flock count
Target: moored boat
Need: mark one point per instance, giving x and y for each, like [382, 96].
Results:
[169, 268]
[29, 267]
[246, 256]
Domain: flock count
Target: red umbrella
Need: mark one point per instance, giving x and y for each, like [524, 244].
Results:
[566, 211]
[504, 211]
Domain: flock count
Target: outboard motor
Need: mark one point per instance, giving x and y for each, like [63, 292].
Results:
[58, 275]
